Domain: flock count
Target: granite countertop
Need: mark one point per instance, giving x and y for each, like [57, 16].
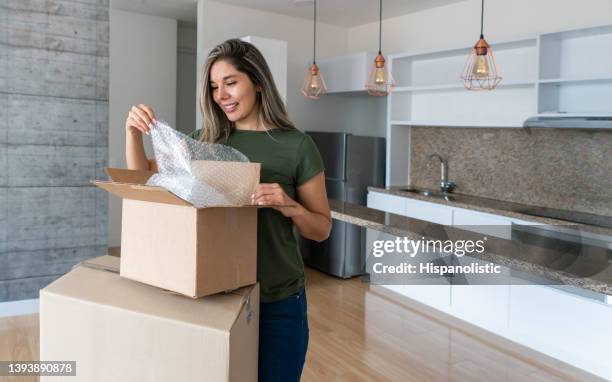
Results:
[601, 224]
[590, 268]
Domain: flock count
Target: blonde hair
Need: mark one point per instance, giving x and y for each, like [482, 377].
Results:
[246, 58]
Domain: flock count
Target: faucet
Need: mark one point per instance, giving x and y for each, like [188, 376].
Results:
[445, 185]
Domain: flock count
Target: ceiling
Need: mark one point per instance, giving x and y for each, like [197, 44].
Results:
[184, 10]
[345, 13]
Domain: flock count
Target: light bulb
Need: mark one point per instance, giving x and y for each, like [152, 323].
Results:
[481, 66]
[379, 76]
[314, 82]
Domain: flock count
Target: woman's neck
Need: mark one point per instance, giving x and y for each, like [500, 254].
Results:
[251, 122]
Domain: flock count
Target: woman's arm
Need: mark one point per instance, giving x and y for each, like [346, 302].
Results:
[311, 215]
[138, 121]
[314, 219]
[135, 156]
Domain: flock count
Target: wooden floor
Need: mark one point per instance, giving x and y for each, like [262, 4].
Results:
[359, 334]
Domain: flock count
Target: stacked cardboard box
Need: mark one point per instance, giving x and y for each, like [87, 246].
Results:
[168, 243]
[117, 329]
[140, 317]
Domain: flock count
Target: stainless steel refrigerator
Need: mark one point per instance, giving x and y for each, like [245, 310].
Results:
[352, 163]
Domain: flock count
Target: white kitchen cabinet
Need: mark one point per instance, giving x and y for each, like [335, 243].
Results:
[568, 327]
[431, 212]
[347, 73]
[388, 203]
[426, 291]
[483, 305]
[484, 223]
[561, 323]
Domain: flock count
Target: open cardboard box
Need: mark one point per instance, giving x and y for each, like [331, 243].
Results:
[121, 330]
[168, 243]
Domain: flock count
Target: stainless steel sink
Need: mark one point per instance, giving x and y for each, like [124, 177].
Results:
[433, 194]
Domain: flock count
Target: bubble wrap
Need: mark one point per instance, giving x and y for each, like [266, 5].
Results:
[204, 174]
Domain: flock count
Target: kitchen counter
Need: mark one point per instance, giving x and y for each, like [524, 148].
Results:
[590, 268]
[599, 224]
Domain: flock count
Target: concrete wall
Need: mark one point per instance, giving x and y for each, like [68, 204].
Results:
[53, 140]
[142, 70]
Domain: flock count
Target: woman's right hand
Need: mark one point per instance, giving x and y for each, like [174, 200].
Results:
[139, 119]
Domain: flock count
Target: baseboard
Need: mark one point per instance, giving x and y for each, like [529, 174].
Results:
[18, 308]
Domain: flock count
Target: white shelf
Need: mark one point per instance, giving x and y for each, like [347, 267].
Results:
[554, 114]
[444, 68]
[454, 123]
[506, 106]
[498, 45]
[459, 85]
[576, 71]
[562, 73]
[576, 53]
[577, 97]
[575, 79]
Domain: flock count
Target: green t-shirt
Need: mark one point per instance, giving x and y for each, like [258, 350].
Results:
[289, 158]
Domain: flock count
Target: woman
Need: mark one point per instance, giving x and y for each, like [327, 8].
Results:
[242, 108]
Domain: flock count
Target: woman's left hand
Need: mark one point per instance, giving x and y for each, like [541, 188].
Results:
[272, 194]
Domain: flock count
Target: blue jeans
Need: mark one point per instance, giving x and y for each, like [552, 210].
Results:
[283, 339]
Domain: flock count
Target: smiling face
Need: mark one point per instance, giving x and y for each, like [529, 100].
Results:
[233, 91]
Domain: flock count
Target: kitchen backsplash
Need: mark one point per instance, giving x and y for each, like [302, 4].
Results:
[568, 169]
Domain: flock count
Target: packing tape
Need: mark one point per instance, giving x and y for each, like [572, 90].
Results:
[246, 304]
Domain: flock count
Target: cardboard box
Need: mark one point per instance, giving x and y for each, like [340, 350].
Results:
[168, 243]
[117, 329]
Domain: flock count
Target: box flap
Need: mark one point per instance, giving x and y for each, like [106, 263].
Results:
[92, 286]
[130, 184]
[140, 192]
[122, 175]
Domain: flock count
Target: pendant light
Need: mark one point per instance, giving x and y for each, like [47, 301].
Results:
[314, 84]
[481, 72]
[380, 82]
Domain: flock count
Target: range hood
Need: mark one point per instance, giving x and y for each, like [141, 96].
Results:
[569, 121]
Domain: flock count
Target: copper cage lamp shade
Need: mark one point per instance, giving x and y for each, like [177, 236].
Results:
[481, 71]
[314, 84]
[380, 81]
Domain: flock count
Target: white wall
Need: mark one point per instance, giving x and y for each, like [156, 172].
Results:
[275, 54]
[142, 70]
[218, 22]
[458, 24]
[186, 77]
